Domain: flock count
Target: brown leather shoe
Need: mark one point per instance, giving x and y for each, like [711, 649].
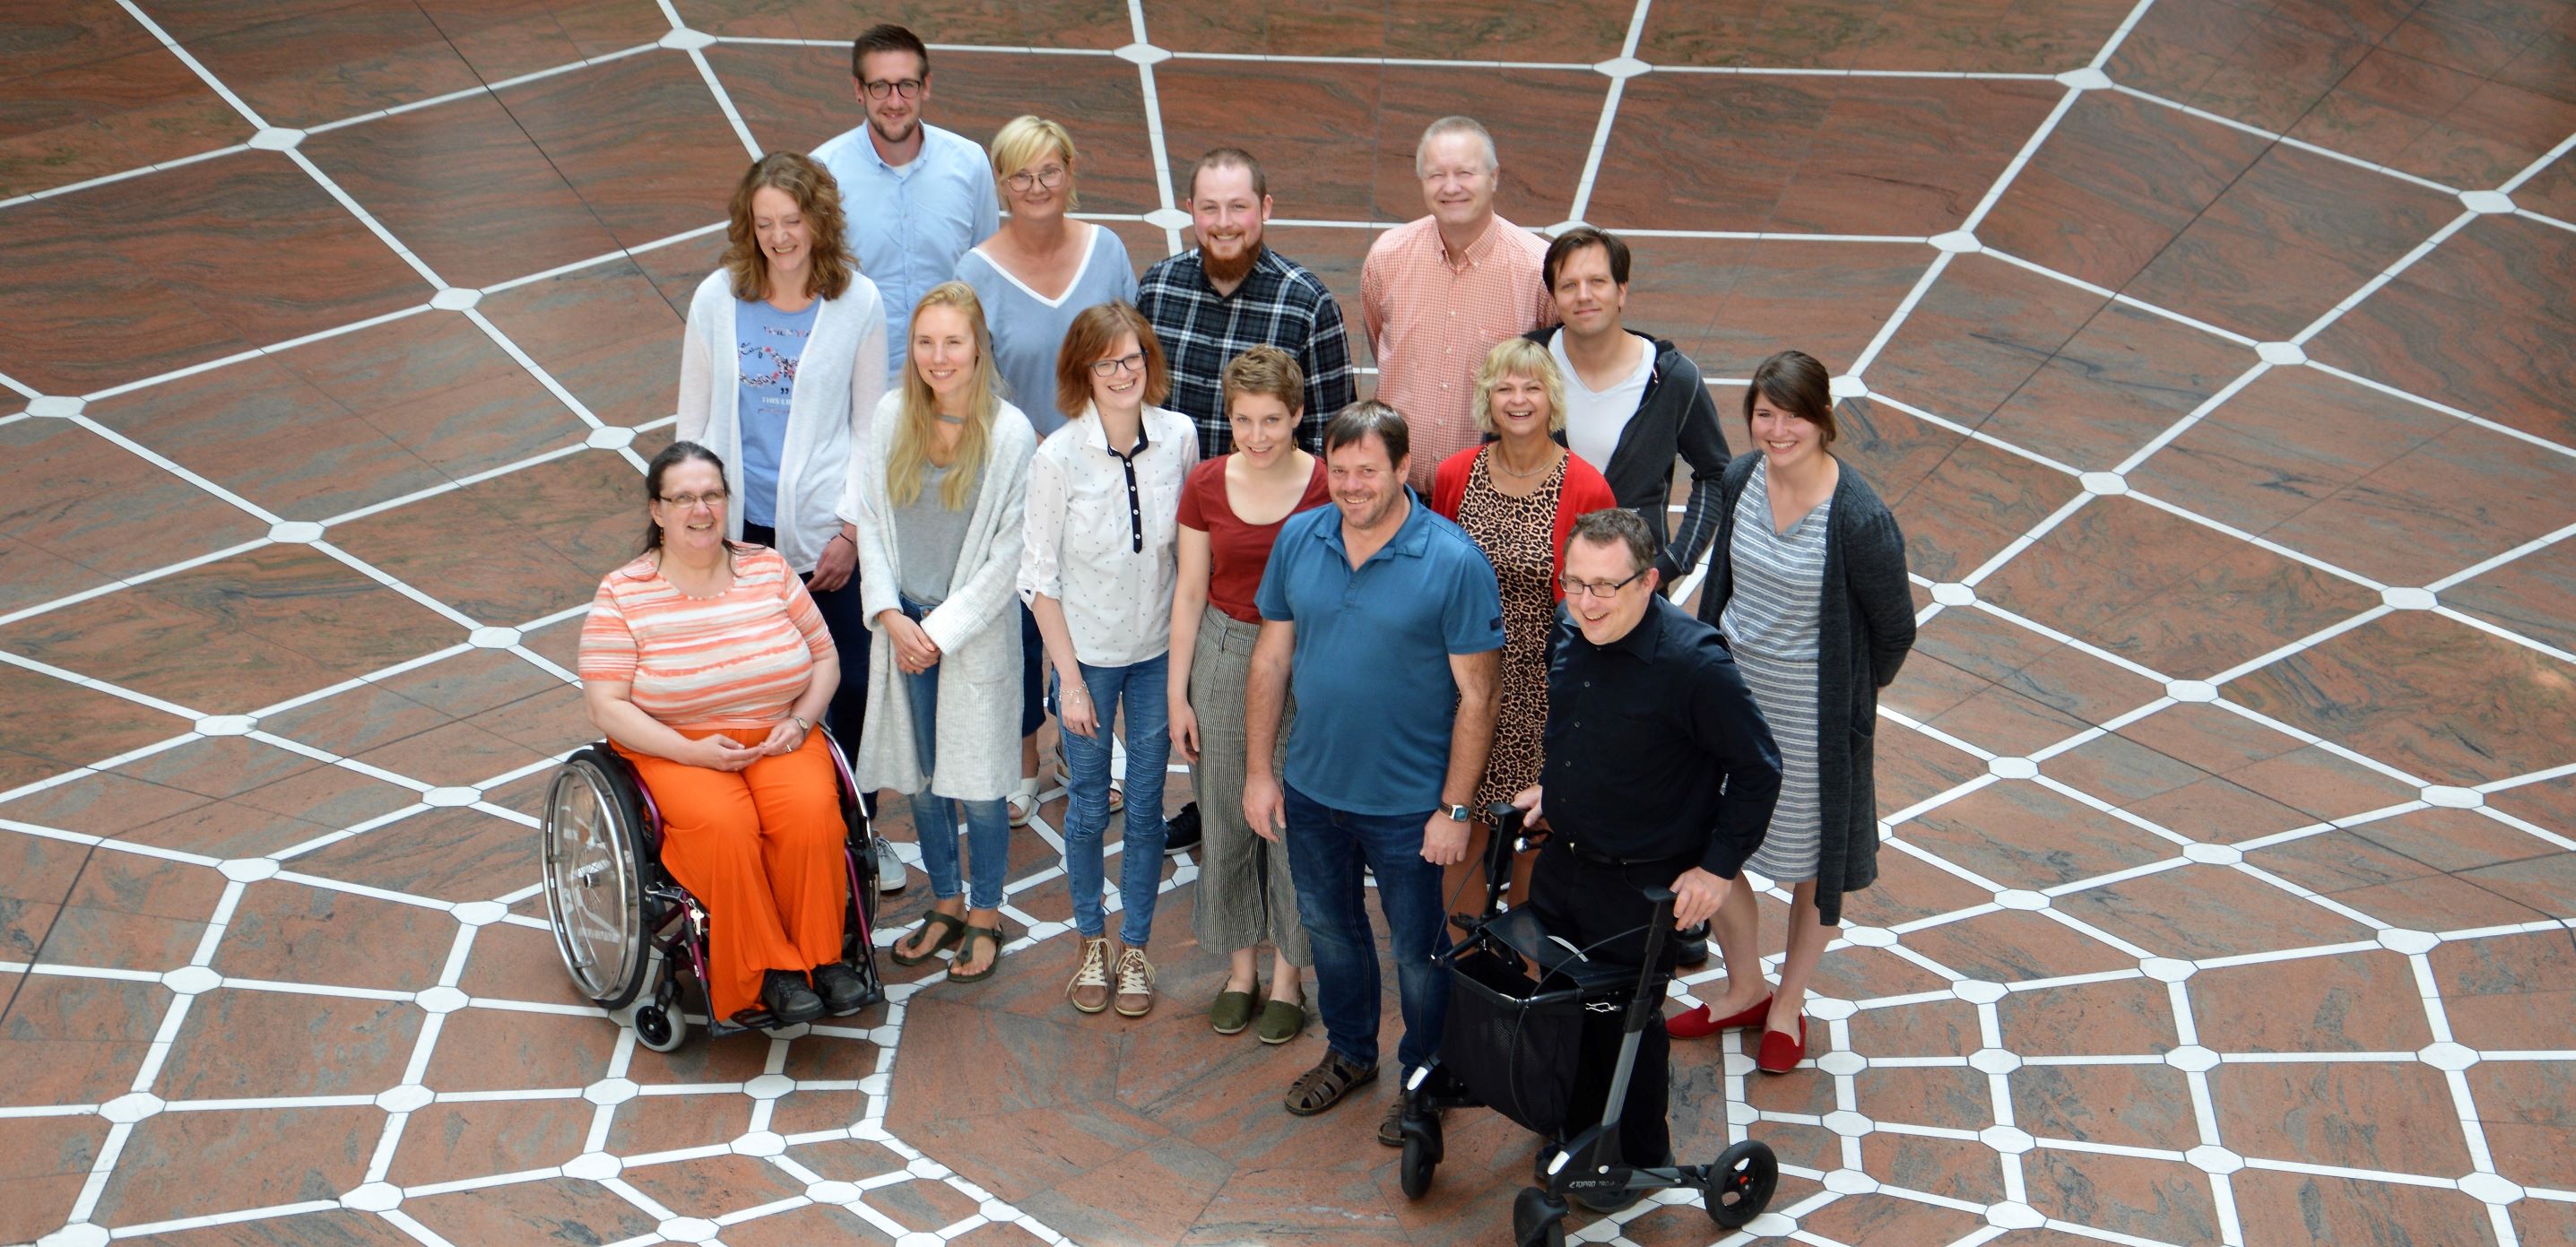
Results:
[1135, 983]
[1089, 989]
[1324, 1086]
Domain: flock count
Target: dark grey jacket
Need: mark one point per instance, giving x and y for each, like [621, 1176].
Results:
[1866, 629]
[1676, 417]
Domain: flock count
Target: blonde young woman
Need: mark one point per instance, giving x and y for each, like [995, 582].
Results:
[1230, 516]
[939, 499]
[1035, 274]
[782, 365]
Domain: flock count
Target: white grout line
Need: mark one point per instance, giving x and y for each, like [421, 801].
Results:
[1609, 116]
[2285, 140]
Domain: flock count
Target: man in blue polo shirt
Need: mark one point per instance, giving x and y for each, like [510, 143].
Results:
[1389, 619]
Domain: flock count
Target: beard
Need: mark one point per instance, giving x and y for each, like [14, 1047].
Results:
[1230, 271]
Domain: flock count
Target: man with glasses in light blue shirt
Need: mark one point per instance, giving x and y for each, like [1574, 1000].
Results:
[917, 196]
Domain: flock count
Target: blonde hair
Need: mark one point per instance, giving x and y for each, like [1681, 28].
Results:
[908, 457]
[1519, 357]
[1019, 144]
[818, 199]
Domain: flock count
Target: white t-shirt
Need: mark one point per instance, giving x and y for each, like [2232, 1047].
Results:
[1594, 419]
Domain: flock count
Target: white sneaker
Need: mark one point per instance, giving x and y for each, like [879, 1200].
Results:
[890, 872]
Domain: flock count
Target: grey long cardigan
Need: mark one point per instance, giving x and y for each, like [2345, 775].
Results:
[1866, 630]
[976, 629]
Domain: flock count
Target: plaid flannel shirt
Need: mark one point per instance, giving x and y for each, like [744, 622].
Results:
[1279, 304]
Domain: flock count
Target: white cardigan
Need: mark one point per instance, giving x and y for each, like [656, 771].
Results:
[843, 363]
[975, 626]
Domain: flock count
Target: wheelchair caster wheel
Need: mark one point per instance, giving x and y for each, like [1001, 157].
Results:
[660, 1029]
[1538, 1219]
[1738, 1187]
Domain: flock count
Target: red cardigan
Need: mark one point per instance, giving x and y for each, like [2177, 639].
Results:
[1584, 490]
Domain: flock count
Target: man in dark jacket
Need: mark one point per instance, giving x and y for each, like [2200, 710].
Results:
[1633, 403]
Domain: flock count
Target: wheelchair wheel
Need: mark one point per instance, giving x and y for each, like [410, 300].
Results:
[1538, 1219]
[660, 1029]
[1738, 1187]
[594, 877]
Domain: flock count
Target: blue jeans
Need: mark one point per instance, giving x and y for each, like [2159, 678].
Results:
[935, 818]
[1140, 689]
[1326, 848]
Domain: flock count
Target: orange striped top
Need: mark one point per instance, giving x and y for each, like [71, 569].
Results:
[738, 659]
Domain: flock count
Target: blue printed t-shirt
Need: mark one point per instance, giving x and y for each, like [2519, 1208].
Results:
[767, 342]
[1375, 699]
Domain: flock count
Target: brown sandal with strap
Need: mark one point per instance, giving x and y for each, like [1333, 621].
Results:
[952, 931]
[1324, 1086]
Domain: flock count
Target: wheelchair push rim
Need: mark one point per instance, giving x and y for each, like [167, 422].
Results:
[594, 883]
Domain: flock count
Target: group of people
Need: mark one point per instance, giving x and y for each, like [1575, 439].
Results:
[961, 444]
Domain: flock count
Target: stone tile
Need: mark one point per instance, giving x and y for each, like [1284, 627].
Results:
[713, 1187]
[133, 912]
[229, 1048]
[2269, 1203]
[116, 103]
[77, 1041]
[49, 1162]
[565, 1206]
[2089, 1019]
[2119, 1105]
[98, 506]
[605, 333]
[2215, 810]
[1955, 1169]
[2122, 1194]
[446, 1142]
[2014, 947]
[2206, 911]
[2534, 596]
[2451, 503]
[214, 258]
[2363, 1115]
[1977, 335]
[1484, 30]
[196, 1164]
[2114, 185]
[1813, 155]
[67, 726]
[2358, 1002]
[284, 930]
[503, 1050]
[2122, 380]
[449, 854]
[2022, 835]
[1086, 24]
[2423, 693]
[1869, 1218]
[2486, 287]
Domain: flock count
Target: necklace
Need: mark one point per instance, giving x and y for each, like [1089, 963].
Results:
[1495, 462]
[956, 420]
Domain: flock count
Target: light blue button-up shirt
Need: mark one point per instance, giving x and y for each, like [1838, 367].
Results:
[909, 225]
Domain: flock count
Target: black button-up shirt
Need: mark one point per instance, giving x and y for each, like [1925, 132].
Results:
[1654, 748]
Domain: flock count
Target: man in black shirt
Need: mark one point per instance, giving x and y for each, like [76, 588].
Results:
[1659, 772]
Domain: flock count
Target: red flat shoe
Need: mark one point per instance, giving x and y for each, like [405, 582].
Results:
[1779, 1056]
[1699, 1024]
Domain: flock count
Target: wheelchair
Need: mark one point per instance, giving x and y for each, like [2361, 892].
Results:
[626, 927]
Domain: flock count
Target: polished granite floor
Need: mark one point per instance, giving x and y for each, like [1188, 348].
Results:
[2214, 354]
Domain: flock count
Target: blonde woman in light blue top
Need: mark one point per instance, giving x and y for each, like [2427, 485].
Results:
[1042, 267]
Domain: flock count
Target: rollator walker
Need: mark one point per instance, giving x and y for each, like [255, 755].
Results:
[1513, 1042]
[625, 925]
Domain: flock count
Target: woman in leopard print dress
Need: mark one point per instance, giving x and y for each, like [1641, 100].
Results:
[1517, 495]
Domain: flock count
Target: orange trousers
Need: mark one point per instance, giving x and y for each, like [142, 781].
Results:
[762, 849]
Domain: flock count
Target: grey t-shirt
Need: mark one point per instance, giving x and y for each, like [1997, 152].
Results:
[928, 538]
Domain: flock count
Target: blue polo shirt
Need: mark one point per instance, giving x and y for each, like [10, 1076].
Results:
[1375, 700]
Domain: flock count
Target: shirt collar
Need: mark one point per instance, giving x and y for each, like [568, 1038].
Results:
[1642, 642]
[1097, 433]
[1478, 251]
[1411, 538]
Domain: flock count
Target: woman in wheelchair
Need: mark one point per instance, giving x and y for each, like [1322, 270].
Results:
[706, 664]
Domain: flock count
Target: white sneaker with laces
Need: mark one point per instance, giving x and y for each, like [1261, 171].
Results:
[890, 872]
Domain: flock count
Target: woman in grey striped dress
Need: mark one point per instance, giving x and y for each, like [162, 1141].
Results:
[1230, 514]
[1807, 582]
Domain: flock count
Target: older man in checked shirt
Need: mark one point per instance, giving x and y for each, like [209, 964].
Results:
[1439, 292]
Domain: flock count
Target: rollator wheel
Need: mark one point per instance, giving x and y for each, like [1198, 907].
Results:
[660, 1029]
[1538, 1219]
[594, 878]
[1738, 1187]
[1414, 1169]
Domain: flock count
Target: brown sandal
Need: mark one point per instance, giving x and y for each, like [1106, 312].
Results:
[1324, 1086]
[952, 931]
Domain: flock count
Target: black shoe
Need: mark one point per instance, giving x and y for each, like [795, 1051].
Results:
[1181, 831]
[788, 999]
[1694, 945]
[841, 988]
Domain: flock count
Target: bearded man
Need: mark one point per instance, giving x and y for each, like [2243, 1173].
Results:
[1230, 294]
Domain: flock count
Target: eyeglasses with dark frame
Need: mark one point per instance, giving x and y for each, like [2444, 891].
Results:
[1133, 361]
[713, 498]
[1605, 590]
[905, 87]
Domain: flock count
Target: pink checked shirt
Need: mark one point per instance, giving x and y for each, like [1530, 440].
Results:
[1430, 323]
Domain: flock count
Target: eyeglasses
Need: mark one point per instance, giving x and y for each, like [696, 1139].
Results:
[1133, 361]
[907, 88]
[1049, 177]
[1604, 590]
[686, 502]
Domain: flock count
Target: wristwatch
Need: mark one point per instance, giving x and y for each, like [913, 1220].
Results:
[1458, 812]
